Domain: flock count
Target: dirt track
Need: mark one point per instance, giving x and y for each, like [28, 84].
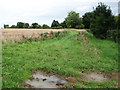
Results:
[17, 34]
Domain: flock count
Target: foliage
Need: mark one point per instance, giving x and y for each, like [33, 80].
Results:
[6, 26]
[26, 25]
[55, 24]
[58, 27]
[80, 26]
[113, 35]
[102, 22]
[63, 24]
[118, 22]
[35, 25]
[87, 18]
[20, 24]
[45, 26]
[73, 19]
[13, 26]
[77, 26]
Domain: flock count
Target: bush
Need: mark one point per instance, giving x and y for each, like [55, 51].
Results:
[77, 27]
[88, 30]
[59, 27]
[113, 35]
[45, 26]
[80, 26]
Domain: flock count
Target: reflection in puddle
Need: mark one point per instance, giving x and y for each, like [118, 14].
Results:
[42, 81]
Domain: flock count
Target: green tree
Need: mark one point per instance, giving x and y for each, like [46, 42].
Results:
[87, 17]
[63, 24]
[73, 19]
[6, 26]
[102, 21]
[13, 26]
[55, 23]
[26, 25]
[20, 24]
[45, 26]
[35, 25]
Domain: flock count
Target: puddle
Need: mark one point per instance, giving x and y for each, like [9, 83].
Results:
[43, 81]
[96, 77]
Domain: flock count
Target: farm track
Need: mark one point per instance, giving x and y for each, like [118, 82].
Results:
[17, 34]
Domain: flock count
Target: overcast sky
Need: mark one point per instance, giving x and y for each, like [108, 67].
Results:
[45, 11]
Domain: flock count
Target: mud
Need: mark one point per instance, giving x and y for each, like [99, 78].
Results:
[43, 81]
[97, 77]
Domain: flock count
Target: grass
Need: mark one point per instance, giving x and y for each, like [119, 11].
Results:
[66, 55]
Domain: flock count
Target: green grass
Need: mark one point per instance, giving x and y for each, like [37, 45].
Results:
[66, 55]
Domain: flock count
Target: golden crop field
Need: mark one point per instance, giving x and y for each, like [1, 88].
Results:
[17, 34]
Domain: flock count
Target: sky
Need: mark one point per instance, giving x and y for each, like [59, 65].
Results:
[45, 11]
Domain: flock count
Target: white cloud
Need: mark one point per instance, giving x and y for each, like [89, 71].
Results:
[44, 11]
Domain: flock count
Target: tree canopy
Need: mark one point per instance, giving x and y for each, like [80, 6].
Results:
[35, 25]
[20, 24]
[102, 21]
[87, 18]
[73, 19]
[55, 23]
[45, 26]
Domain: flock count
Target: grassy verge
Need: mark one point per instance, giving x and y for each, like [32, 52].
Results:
[66, 55]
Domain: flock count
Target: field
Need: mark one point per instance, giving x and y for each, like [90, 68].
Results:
[73, 57]
[17, 34]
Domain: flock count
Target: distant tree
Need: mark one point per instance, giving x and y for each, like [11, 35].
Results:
[39, 26]
[73, 19]
[55, 23]
[20, 24]
[13, 26]
[26, 25]
[35, 25]
[63, 24]
[102, 21]
[6, 26]
[45, 26]
[87, 17]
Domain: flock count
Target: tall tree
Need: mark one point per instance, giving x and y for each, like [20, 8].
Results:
[26, 25]
[55, 23]
[73, 19]
[102, 21]
[35, 25]
[63, 24]
[20, 24]
[87, 17]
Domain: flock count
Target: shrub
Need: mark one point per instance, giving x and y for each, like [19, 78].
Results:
[113, 35]
[80, 26]
[77, 26]
[59, 27]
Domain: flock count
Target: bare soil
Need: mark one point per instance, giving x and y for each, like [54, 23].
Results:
[97, 77]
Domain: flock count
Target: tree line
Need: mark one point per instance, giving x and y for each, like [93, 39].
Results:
[99, 21]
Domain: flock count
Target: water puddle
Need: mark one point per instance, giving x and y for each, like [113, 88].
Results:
[43, 81]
